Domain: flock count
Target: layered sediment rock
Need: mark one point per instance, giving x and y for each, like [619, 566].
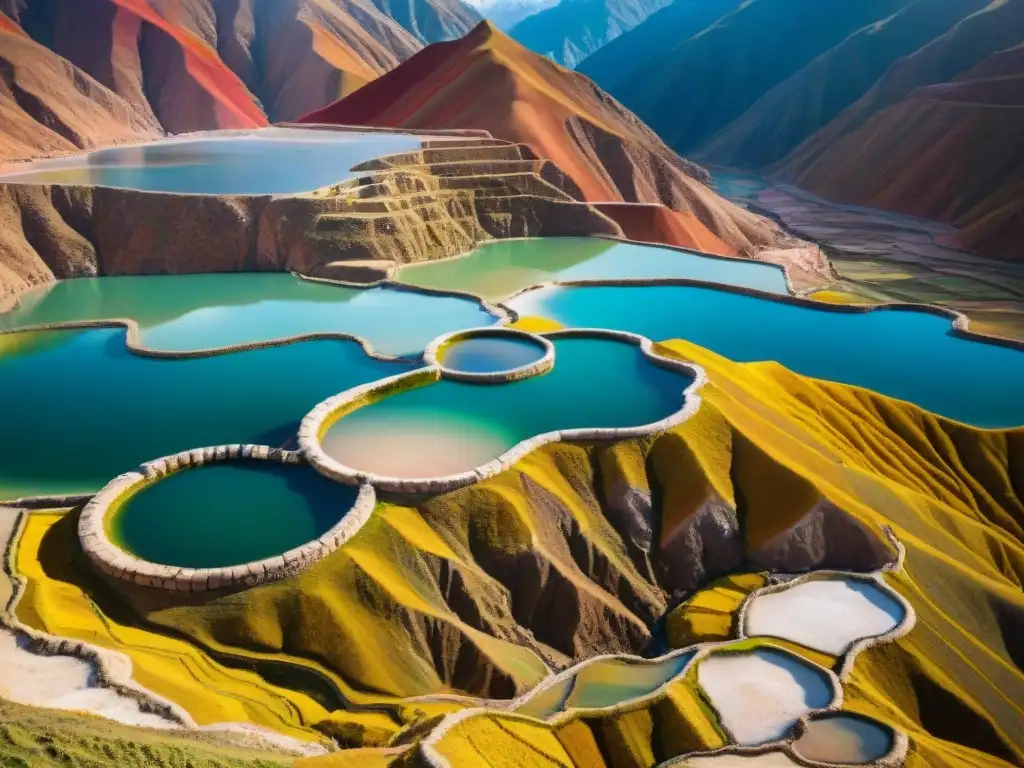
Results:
[417, 206]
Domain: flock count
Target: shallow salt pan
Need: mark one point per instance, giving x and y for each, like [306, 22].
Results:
[829, 615]
[63, 682]
[843, 740]
[759, 695]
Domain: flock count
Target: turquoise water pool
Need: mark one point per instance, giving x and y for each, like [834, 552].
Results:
[499, 269]
[190, 312]
[268, 161]
[229, 513]
[908, 355]
[449, 427]
[82, 409]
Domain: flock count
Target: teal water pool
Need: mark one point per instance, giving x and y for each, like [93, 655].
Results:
[499, 269]
[908, 355]
[190, 312]
[448, 427]
[267, 161]
[229, 513]
[85, 409]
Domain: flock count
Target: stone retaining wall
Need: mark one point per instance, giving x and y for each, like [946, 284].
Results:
[542, 365]
[116, 562]
[320, 419]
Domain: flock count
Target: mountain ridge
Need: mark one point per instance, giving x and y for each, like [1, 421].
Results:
[609, 154]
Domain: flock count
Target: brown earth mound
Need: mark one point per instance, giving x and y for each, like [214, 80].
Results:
[488, 81]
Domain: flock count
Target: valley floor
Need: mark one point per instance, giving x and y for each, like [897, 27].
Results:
[881, 256]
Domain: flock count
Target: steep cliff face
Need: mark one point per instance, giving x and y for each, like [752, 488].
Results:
[49, 105]
[607, 152]
[436, 202]
[571, 30]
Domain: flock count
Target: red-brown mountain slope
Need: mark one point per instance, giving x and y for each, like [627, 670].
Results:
[48, 105]
[946, 150]
[488, 81]
[203, 64]
[161, 67]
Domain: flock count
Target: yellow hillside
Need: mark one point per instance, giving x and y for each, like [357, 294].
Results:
[485, 589]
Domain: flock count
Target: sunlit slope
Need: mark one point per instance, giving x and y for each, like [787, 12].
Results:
[579, 549]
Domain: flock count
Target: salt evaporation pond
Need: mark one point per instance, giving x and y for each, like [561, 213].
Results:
[192, 312]
[92, 410]
[760, 694]
[499, 269]
[827, 614]
[448, 427]
[229, 513]
[267, 161]
[904, 354]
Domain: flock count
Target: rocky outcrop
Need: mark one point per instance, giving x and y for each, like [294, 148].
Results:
[603, 148]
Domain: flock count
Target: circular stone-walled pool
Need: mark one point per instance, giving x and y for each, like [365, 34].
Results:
[224, 514]
[491, 355]
[218, 517]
